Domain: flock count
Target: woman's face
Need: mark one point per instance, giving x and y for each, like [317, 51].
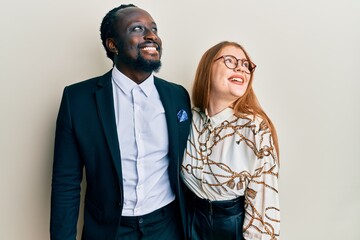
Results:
[227, 85]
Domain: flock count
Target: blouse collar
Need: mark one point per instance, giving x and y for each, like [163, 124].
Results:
[219, 117]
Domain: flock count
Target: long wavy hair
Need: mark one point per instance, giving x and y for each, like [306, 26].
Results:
[248, 104]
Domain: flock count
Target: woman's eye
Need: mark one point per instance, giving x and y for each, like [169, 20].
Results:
[229, 60]
[246, 64]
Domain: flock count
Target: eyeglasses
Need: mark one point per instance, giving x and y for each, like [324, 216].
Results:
[232, 62]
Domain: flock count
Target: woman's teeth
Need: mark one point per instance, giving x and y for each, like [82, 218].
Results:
[237, 80]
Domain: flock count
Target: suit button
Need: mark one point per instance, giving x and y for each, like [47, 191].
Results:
[141, 220]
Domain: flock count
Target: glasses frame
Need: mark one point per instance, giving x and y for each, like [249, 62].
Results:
[251, 67]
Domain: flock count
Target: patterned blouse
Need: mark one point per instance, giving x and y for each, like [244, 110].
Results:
[227, 157]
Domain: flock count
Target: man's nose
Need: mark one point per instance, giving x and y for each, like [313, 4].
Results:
[150, 35]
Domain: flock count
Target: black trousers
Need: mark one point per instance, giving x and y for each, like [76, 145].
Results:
[215, 220]
[164, 223]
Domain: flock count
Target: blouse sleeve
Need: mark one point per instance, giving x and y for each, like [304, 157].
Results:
[262, 211]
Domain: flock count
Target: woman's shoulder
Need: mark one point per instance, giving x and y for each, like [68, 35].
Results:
[196, 110]
[256, 121]
[197, 114]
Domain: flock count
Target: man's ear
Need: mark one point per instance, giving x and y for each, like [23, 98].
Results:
[111, 46]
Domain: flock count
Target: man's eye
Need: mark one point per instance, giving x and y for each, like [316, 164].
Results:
[154, 30]
[138, 29]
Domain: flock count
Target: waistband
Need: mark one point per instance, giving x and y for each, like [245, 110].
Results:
[164, 211]
[226, 207]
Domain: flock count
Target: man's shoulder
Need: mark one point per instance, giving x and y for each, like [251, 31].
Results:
[170, 85]
[92, 82]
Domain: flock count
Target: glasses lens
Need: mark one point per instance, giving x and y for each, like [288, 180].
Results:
[230, 62]
[246, 64]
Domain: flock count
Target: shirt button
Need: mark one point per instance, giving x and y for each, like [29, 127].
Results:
[141, 220]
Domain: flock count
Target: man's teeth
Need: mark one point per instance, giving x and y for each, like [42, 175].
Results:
[149, 48]
[237, 80]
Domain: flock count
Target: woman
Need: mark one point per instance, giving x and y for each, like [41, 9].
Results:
[231, 163]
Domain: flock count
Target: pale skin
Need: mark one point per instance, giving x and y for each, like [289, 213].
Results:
[227, 85]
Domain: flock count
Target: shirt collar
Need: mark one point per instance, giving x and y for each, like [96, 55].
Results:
[127, 85]
[219, 117]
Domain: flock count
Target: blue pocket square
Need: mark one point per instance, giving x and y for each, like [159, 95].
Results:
[182, 115]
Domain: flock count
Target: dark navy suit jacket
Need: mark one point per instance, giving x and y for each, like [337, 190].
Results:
[86, 135]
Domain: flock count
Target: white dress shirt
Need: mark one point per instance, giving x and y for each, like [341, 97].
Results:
[144, 145]
[227, 157]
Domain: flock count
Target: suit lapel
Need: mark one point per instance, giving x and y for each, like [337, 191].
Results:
[171, 118]
[169, 102]
[105, 104]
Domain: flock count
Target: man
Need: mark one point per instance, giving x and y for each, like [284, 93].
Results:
[128, 129]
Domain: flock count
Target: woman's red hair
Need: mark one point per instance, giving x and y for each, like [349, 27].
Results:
[248, 104]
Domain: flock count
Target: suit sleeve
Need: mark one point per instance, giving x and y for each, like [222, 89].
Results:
[66, 178]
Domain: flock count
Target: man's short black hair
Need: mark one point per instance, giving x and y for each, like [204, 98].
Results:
[107, 28]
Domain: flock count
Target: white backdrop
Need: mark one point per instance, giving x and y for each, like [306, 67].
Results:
[307, 80]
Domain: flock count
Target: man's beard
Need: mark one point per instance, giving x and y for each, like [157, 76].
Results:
[144, 65]
[140, 63]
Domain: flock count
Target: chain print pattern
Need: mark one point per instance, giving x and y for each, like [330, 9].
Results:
[262, 221]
